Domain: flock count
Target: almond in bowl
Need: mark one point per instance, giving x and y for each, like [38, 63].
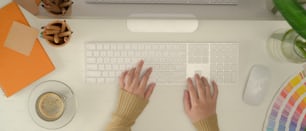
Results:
[57, 33]
[57, 7]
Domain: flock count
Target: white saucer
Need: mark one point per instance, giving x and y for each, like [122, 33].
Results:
[61, 89]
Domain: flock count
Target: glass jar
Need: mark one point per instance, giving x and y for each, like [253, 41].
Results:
[287, 46]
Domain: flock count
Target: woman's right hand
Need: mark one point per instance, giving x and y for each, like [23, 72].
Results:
[199, 102]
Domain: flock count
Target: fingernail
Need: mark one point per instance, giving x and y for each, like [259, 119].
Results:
[203, 78]
[196, 75]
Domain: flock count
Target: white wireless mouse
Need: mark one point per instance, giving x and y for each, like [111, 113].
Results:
[257, 85]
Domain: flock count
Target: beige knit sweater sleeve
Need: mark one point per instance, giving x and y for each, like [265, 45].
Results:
[209, 124]
[130, 107]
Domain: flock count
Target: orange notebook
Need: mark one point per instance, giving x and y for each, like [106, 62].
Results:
[17, 71]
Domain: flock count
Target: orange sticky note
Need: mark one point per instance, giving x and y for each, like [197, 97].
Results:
[21, 38]
[17, 71]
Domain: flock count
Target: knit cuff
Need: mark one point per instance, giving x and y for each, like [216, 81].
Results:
[130, 106]
[209, 124]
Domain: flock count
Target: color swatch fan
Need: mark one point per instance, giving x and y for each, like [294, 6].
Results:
[287, 111]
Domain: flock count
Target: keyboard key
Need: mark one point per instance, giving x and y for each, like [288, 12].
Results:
[100, 60]
[101, 80]
[112, 74]
[108, 80]
[89, 53]
[109, 53]
[91, 80]
[91, 46]
[108, 67]
[93, 73]
[102, 53]
[106, 60]
[104, 73]
[99, 47]
[92, 67]
[106, 46]
[101, 67]
[91, 60]
[95, 53]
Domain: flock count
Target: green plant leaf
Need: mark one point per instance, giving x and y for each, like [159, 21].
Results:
[294, 13]
[300, 43]
[302, 51]
[301, 47]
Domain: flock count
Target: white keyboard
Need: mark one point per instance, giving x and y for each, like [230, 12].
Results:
[190, 2]
[172, 62]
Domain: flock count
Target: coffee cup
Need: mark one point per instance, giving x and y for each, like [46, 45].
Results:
[50, 106]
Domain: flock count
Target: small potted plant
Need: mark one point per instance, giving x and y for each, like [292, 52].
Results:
[290, 45]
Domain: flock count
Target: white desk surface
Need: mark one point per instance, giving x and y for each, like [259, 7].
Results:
[165, 111]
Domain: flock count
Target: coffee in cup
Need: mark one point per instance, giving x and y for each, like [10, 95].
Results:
[50, 106]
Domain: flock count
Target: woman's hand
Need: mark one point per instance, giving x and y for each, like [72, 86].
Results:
[199, 102]
[135, 83]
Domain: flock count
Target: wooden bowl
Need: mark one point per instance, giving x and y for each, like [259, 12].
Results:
[58, 7]
[57, 33]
